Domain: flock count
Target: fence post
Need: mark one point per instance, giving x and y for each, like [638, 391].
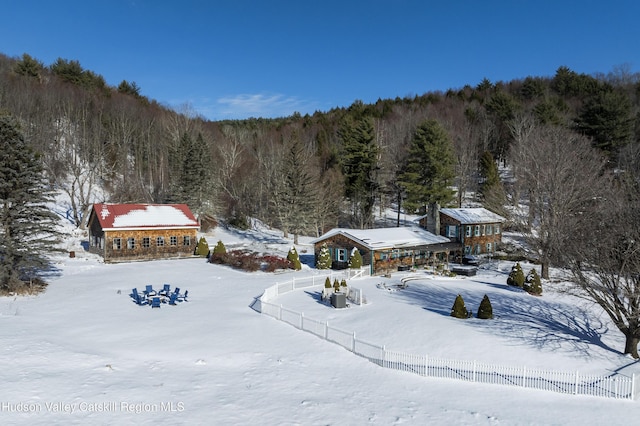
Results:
[524, 376]
[383, 356]
[575, 391]
[326, 330]
[301, 320]
[280, 312]
[426, 366]
[353, 343]
[474, 370]
[633, 386]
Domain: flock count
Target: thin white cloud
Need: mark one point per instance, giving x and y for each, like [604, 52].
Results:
[243, 106]
[259, 105]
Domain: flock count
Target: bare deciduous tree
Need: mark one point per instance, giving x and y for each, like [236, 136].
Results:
[562, 175]
[604, 258]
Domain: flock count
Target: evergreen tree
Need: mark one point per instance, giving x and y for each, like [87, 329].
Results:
[355, 260]
[607, 118]
[220, 249]
[493, 193]
[327, 283]
[516, 276]
[294, 258]
[336, 285]
[193, 183]
[459, 310]
[202, 249]
[360, 166]
[489, 170]
[324, 258]
[485, 311]
[429, 172]
[533, 284]
[29, 67]
[298, 192]
[28, 228]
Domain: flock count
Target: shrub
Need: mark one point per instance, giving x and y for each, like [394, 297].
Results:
[294, 258]
[327, 283]
[516, 276]
[336, 285]
[202, 249]
[532, 283]
[355, 261]
[459, 310]
[324, 258]
[220, 248]
[485, 311]
[343, 283]
[273, 263]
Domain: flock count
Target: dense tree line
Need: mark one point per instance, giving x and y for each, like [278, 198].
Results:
[558, 156]
[403, 151]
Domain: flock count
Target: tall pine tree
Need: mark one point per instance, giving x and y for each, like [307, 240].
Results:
[298, 192]
[27, 227]
[430, 171]
[193, 183]
[360, 166]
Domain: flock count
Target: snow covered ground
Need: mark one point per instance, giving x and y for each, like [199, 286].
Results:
[84, 353]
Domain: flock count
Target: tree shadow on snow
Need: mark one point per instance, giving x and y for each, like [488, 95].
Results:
[518, 316]
[308, 259]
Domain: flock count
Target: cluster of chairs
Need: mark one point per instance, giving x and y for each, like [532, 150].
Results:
[155, 298]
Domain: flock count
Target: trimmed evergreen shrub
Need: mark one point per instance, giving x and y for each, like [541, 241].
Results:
[355, 261]
[294, 258]
[336, 285]
[485, 311]
[516, 276]
[533, 284]
[202, 249]
[343, 284]
[324, 258]
[220, 248]
[459, 310]
[327, 283]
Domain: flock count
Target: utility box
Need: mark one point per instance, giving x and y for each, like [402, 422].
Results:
[339, 300]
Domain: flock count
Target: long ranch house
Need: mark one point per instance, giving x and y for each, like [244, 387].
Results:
[384, 249]
[125, 232]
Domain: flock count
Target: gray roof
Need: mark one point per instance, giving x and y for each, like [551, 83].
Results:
[381, 238]
[467, 216]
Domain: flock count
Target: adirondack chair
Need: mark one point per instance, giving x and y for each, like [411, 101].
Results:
[173, 298]
[134, 294]
[149, 291]
[183, 297]
[177, 291]
[140, 300]
[166, 290]
[155, 302]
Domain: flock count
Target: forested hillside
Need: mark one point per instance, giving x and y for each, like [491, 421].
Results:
[305, 174]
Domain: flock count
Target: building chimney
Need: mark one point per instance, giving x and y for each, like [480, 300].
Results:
[433, 218]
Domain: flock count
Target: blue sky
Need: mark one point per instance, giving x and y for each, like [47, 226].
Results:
[237, 59]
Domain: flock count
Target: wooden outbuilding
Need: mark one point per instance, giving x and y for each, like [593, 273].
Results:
[127, 232]
[385, 250]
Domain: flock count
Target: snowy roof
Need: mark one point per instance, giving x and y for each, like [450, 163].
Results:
[380, 238]
[122, 216]
[472, 215]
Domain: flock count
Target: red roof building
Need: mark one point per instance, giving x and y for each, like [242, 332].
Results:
[125, 232]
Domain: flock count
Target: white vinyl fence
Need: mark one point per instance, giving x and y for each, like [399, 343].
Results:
[619, 387]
